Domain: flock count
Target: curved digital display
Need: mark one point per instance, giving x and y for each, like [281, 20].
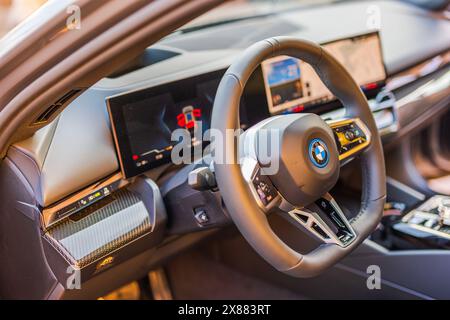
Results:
[292, 85]
[143, 121]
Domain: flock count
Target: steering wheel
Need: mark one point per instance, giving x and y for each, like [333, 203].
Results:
[310, 154]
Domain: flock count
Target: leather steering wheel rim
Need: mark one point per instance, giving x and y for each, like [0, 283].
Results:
[246, 214]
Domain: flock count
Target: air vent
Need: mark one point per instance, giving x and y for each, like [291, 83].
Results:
[48, 114]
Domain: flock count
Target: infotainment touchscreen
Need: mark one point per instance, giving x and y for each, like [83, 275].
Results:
[293, 85]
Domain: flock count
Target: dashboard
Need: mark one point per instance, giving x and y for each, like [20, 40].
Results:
[79, 149]
[69, 169]
[143, 120]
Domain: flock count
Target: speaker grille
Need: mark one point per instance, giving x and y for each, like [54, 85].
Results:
[113, 224]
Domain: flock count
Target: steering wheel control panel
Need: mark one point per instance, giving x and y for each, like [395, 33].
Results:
[351, 136]
[266, 191]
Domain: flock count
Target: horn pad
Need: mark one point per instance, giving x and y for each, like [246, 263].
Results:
[308, 157]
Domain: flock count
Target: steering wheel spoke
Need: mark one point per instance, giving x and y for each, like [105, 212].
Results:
[352, 137]
[326, 221]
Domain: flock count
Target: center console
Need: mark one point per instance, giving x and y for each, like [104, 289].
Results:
[412, 221]
[428, 225]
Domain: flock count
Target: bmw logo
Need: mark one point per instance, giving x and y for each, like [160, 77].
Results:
[318, 153]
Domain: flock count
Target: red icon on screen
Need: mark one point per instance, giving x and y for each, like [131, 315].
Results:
[187, 119]
[135, 157]
[298, 109]
[371, 86]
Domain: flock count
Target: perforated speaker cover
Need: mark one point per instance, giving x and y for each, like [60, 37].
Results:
[101, 228]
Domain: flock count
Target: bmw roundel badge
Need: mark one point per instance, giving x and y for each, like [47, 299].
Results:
[318, 153]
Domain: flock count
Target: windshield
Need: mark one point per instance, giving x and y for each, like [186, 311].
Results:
[12, 12]
[242, 9]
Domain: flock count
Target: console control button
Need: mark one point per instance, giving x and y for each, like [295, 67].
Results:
[201, 216]
[444, 211]
[431, 223]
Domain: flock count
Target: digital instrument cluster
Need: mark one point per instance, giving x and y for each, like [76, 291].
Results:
[143, 121]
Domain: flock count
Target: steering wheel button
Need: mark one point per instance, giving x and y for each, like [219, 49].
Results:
[264, 188]
[349, 135]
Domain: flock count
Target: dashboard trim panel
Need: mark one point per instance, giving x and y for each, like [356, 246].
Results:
[53, 215]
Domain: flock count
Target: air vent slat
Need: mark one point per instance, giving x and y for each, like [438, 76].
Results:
[67, 97]
[54, 108]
